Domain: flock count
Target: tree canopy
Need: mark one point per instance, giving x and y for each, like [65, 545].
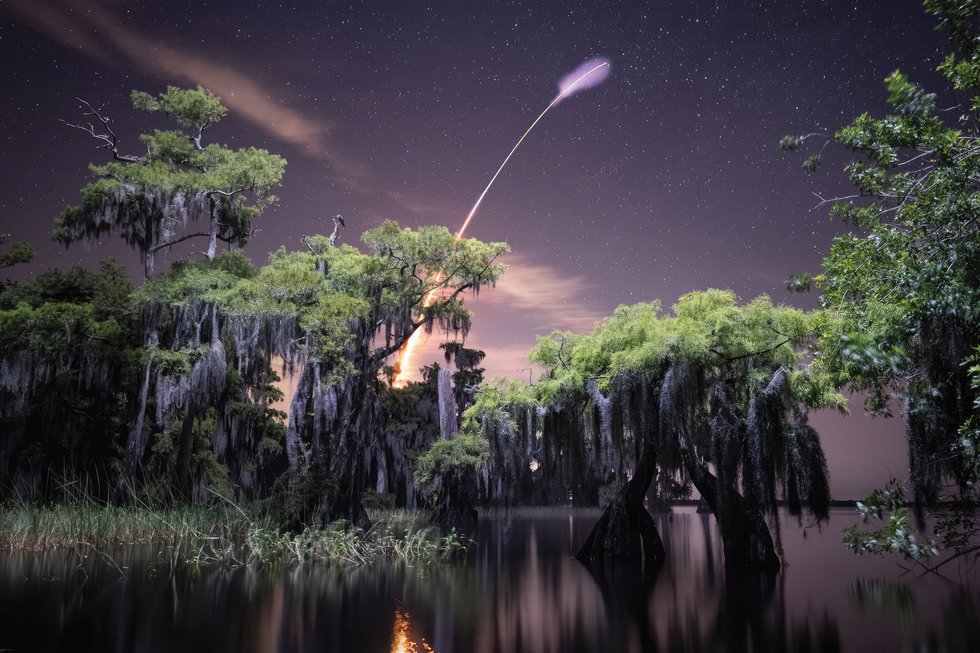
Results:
[901, 287]
[713, 394]
[150, 198]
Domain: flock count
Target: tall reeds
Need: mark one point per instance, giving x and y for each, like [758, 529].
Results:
[223, 534]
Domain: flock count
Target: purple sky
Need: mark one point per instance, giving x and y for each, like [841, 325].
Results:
[663, 179]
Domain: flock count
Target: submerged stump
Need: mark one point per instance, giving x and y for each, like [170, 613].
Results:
[625, 533]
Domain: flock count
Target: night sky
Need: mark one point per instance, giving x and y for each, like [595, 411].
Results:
[662, 180]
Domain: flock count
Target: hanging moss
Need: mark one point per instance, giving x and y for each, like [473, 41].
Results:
[701, 397]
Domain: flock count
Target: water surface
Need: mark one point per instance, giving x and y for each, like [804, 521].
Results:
[519, 590]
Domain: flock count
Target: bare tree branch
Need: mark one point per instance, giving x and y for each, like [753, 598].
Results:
[827, 200]
[225, 193]
[200, 234]
[109, 139]
[729, 359]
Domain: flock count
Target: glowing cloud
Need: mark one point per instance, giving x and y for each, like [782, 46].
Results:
[100, 33]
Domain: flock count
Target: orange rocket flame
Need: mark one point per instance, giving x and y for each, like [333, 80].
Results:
[566, 89]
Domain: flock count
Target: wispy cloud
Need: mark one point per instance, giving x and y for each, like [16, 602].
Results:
[97, 31]
[506, 360]
[548, 297]
[530, 298]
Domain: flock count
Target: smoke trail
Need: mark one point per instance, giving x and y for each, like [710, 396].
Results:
[571, 83]
[588, 75]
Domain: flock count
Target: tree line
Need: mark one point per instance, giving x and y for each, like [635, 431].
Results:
[171, 388]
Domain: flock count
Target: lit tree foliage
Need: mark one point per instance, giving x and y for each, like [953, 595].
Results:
[446, 476]
[187, 361]
[336, 409]
[149, 199]
[182, 367]
[713, 394]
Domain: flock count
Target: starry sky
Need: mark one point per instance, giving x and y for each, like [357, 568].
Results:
[662, 180]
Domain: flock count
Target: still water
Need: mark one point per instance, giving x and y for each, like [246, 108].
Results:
[519, 590]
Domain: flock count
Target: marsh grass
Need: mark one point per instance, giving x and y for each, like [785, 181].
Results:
[223, 534]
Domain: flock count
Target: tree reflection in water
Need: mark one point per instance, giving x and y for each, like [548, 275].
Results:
[520, 590]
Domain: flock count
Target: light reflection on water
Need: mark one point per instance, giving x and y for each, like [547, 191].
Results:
[401, 636]
[520, 591]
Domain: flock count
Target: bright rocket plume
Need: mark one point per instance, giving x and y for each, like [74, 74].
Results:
[588, 75]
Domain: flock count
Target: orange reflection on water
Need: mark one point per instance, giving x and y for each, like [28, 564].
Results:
[401, 639]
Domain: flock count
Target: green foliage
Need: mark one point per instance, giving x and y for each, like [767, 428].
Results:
[705, 328]
[202, 281]
[913, 271]
[51, 328]
[438, 470]
[18, 253]
[901, 289]
[190, 351]
[896, 534]
[108, 290]
[789, 143]
[185, 359]
[800, 283]
[496, 404]
[969, 430]
[427, 260]
[289, 287]
[67, 340]
[712, 381]
[75, 311]
[909, 99]
[195, 108]
[812, 163]
[150, 199]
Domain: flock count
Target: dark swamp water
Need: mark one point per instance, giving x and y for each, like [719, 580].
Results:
[519, 590]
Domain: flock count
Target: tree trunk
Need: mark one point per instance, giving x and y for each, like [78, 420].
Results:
[213, 233]
[296, 424]
[136, 443]
[184, 450]
[626, 532]
[327, 476]
[456, 513]
[343, 462]
[208, 380]
[744, 533]
[147, 245]
[447, 405]
[343, 502]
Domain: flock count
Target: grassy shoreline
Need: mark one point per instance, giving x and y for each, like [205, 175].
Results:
[225, 535]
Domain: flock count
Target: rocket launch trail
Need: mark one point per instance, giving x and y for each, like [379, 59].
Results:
[579, 83]
[589, 74]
